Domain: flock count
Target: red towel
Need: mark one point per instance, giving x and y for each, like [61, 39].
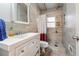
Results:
[43, 37]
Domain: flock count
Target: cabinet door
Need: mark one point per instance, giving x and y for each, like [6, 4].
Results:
[26, 49]
[36, 46]
[33, 47]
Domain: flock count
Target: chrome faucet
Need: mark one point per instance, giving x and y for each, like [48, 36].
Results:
[19, 33]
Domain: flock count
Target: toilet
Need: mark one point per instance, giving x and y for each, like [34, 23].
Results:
[43, 42]
[43, 45]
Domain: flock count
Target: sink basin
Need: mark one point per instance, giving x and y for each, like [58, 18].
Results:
[23, 35]
[20, 36]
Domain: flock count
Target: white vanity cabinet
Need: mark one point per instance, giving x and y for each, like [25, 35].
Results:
[28, 46]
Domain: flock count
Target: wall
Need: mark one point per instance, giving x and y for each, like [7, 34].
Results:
[69, 28]
[32, 27]
[77, 28]
[51, 32]
[5, 11]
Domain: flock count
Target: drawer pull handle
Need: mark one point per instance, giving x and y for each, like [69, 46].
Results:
[33, 42]
[37, 47]
[22, 51]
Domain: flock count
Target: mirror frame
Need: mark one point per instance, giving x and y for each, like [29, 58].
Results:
[14, 13]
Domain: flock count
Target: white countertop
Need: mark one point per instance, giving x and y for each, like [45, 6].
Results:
[12, 40]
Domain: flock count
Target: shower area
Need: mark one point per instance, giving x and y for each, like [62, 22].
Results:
[50, 26]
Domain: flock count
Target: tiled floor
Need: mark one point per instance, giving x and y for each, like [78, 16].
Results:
[54, 51]
[57, 51]
[46, 53]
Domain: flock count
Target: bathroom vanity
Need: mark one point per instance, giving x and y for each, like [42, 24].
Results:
[21, 45]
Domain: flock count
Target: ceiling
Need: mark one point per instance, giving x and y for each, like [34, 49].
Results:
[47, 6]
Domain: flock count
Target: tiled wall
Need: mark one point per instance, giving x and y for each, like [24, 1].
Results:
[51, 32]
[32, 27]
[69, 29]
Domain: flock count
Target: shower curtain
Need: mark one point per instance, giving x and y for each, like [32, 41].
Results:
[42, 27]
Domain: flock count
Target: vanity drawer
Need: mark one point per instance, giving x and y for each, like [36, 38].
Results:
[27, 49]
[22, 50]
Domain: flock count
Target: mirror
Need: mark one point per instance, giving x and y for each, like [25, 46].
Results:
[20, 13]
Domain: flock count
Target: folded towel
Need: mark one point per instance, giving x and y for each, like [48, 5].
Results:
[43, 37]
